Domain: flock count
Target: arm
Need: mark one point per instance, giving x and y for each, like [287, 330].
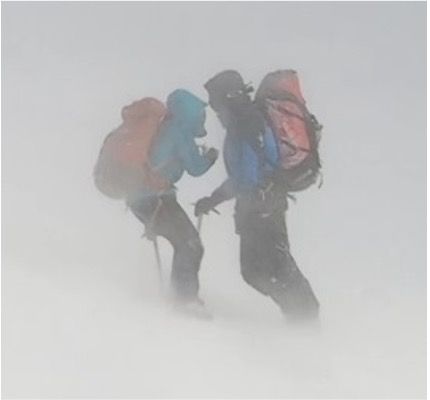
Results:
[222, 193]
[195, 164]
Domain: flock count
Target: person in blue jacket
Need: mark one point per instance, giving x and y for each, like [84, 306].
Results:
[173, 153]
[251, 157]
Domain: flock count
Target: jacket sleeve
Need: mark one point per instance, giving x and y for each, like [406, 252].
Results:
[223, 193]
[194, 163]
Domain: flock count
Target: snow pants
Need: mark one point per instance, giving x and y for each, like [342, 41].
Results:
[267, 264]
[164, 216]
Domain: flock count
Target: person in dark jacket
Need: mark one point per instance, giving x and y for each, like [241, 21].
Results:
[250, 156]
[173, 153]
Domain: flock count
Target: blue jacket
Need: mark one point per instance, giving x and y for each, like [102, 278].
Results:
[247, 167]
[175, 150]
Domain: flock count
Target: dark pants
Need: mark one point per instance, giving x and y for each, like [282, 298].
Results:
[170, 221]
[266, 262]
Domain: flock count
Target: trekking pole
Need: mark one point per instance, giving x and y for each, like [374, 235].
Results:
[200, 219]
[158, 259]
[199, 223]
[153, 237]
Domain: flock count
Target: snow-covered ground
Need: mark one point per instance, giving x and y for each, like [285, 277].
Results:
[85, 332]
[81, 310]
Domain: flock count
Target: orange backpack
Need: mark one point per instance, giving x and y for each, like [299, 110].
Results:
[296, 129]
[123, 166]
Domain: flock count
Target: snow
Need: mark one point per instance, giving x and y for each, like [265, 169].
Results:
[81, 309]
[94, 338]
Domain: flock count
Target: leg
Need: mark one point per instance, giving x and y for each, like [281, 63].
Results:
[254, 265]
[172, 222]
[187, 257]
[292, 290]
[267, 265]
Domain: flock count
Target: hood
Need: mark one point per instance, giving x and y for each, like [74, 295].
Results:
[188, 112]
[227, 88]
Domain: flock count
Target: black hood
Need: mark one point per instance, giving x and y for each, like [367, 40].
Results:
[229, 97]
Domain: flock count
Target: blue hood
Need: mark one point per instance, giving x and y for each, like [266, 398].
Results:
[174, 150]
[187, 112]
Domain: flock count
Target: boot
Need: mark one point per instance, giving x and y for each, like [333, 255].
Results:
[193, 308]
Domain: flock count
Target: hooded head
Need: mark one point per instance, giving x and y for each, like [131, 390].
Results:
[227, 90]
[188, 112]
[230, 98]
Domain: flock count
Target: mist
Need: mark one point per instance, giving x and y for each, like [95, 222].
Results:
[81, 308]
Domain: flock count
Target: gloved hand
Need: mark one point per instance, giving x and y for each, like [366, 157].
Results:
[203, 206]
[212, 154]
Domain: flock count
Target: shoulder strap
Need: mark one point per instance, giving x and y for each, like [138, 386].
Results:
[309, 119]
[260, 150]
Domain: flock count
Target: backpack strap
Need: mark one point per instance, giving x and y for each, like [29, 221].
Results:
[259, 149]
[288, 96]
[307, 118]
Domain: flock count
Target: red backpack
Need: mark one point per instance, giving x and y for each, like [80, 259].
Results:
[122, 166]
[296, 129]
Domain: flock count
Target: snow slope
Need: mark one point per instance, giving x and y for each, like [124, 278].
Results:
[93, 337]
[81, 313]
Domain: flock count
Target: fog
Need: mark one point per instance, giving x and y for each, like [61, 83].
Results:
[81, 308]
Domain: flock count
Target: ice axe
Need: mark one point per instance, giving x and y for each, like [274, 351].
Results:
[158, 259]
[154, 241]
[200, 219]
[199, 223]
[152, 236]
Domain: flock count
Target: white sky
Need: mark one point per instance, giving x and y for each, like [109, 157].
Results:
[68, 68]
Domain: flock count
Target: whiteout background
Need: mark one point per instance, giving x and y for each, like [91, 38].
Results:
[80, 311]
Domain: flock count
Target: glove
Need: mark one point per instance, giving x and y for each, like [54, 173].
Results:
[203, 206]
[212, 155]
